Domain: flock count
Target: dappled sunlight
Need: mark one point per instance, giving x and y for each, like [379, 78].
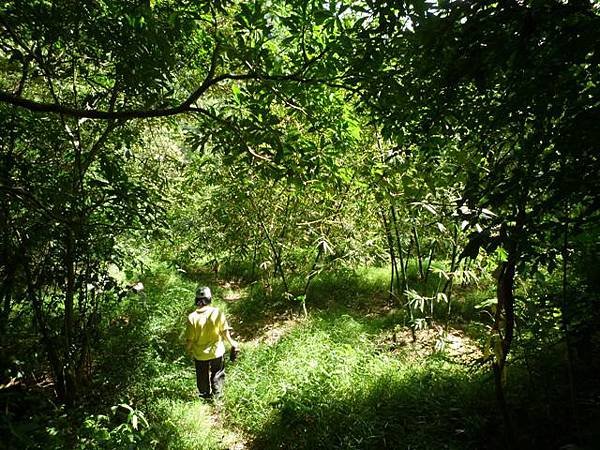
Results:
[328, 384]
[395, 206]
[450, 342]
[185, 424]
[272, 332]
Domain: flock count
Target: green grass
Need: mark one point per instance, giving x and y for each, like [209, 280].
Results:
[327, 384]
[182, 424]
[337, 379]
[330, 373]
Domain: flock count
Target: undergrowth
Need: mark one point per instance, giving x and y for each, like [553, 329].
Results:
[327, 384]
[347, 376]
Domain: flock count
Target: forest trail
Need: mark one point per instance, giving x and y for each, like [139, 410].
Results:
[284, 335]
[253, 333]
[249, 336]
[395, 205]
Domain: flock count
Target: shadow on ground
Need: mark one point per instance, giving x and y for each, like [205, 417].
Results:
[428, 411]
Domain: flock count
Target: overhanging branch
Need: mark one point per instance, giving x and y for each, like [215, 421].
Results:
[55, 108]
[184, 107]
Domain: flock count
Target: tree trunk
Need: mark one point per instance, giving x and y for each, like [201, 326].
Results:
[430, 259]
[406, 261]
[69, 366]
[56, 365]
[403, 285]
[388, 235]
[276, 256]
[504, 329]
[449, 283]
[253, 270]
[6, 296]
[418, 250]
[565, 323]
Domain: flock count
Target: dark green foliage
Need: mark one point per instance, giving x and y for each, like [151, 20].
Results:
[511, 104]
[392, 170]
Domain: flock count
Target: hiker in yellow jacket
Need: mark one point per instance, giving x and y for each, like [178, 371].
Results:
[206, 330]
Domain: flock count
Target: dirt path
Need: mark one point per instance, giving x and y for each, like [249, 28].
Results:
[267, 331]
[453, 342]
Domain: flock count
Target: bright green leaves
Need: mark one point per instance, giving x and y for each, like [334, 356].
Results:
[236, 91]
[297, 131]
[489, 105]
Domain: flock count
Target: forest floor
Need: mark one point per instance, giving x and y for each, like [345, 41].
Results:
[303, 382]
[350, 375]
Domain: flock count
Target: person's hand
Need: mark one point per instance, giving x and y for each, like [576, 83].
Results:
[233, 353]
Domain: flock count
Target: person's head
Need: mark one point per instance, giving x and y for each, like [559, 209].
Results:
[203, 296]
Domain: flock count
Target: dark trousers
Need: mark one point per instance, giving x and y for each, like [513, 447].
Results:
[210, 376]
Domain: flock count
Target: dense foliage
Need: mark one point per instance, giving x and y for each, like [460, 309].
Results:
[288, 146]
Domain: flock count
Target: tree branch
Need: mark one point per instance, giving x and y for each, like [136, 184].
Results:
[26, 196]
[185, 107]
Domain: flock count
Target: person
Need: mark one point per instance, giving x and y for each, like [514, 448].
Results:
[205, 333]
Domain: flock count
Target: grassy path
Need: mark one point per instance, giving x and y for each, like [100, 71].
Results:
[342, 378]
[347, 377]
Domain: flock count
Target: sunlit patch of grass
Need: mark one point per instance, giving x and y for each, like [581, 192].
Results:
[326, 384]
[321, 377]
[350, 288]
[346, 377]
[183, 424]
[165, 388]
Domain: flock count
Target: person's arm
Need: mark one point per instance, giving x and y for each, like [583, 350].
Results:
[189, 337]
[225, 334]
[227, 337]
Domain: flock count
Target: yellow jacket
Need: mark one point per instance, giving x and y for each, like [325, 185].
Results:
[204, 333]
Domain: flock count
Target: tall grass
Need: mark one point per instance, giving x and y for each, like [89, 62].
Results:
[337, 379]
[328, 384]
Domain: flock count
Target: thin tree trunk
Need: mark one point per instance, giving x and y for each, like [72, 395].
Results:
[311, 275]
[505, 304]
[403, 286]
[56, 366]
[504, 322]
[254, 254]
[406, 261]
[565, 315]
[501, 399]
[320, 250]
[69, 377]
[278, 263]
[6, 307]
[388, 235]
[450, 281]
[430, 259]
[418, 250]
[6, 296]
[276, 256]
[276, 252]
[399, 289]
[392, 279]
